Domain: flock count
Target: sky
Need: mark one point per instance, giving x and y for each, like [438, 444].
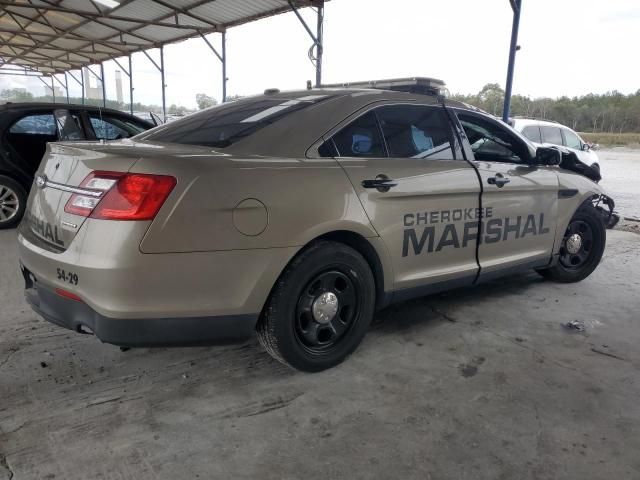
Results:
[568, 47]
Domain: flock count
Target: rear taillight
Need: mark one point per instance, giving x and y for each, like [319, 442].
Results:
[121, 196]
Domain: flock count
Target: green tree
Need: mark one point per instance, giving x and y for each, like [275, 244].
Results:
[204, 101]
[16, 95]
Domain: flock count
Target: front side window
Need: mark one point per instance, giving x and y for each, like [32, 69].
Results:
[490, 142]
[551, 135]
[571, 140]
[532, 132]
[361, 138]
[416, 131]
[107, 127]
[41, 124]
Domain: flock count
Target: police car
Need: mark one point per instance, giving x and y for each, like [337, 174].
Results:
[296, 215]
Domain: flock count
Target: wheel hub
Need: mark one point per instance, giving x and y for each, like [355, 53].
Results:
[574, 243]
[325, 307]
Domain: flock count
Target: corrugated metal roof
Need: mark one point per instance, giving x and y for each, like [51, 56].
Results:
[58, 35]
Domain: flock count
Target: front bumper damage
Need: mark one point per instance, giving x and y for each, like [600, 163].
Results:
[605, 205]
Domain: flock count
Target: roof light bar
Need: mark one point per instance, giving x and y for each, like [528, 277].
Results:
[420, 85]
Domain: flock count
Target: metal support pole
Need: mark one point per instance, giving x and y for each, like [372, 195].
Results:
[47, 85]
[104, 89]
[223, 60]
[164, 101]
[53, 91]
[130, 85]
[66, 86]
[79, 82]
[224, 67]
[161, 69]
[516, 6]
[129, 74]
[319, 38]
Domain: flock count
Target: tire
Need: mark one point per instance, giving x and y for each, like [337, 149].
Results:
[13, 200]
[320, 308]
[573, 267]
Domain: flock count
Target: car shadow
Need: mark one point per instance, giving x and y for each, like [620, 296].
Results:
[426, 311]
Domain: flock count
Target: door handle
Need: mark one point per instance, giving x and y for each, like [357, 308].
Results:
[382, 183]
[499, 180]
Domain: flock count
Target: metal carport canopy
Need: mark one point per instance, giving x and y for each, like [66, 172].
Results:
[56, 36]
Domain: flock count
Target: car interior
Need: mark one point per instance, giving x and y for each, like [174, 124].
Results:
[29, 136]
[491, 143]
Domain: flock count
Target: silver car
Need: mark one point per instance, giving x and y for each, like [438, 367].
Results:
[545, 132]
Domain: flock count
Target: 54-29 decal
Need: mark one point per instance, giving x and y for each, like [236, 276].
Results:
[68, 277]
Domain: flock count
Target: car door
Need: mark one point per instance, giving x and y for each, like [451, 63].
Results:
[27, 139]
[519, 199]
[419, 193]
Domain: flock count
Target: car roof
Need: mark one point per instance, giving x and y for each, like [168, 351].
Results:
[48, 105]
[523, 122]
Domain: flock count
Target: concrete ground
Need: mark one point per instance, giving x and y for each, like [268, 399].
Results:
[479, 383]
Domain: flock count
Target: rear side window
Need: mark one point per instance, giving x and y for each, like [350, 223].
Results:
[571, 140]
[532, 132]
[229, 123]
[415, 131]
[551, 135]
[42, 124]
[361, 138]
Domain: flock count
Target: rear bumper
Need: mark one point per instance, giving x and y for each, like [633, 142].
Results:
[136, 332]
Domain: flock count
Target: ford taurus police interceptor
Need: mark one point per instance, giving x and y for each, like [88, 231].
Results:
[296, 215]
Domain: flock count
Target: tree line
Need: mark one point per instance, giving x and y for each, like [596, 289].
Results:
[20, 95]
[611, 112]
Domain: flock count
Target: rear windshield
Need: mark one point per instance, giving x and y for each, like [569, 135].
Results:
[228, 123]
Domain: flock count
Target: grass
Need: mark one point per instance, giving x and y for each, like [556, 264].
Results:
[613, 139]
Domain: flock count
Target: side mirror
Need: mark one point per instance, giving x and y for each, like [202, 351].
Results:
[548, 156]
[585, 147]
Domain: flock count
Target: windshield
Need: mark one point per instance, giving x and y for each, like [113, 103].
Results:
[225, 124]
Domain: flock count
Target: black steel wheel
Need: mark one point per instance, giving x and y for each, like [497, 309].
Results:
[581, 248]
[577, 245]
[320, 308]
[326, 310]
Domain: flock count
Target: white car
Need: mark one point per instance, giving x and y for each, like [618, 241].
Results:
[545, 132]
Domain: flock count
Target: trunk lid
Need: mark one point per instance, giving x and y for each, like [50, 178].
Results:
[64, 167]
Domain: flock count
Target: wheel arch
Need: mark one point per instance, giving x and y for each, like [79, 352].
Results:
[17, 177]
[364, 247]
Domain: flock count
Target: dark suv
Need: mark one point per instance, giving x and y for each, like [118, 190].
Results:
[25, 130]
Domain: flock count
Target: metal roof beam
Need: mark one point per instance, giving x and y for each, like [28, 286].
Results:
[102, 49]
[77, 38]
[213, 49]
[107, 16]
[127, 73]
[185, 11]
[63, 32]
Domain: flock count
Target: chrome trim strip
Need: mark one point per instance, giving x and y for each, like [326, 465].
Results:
[76, 190]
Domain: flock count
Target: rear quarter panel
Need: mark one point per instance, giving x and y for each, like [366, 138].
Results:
[303, 199]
